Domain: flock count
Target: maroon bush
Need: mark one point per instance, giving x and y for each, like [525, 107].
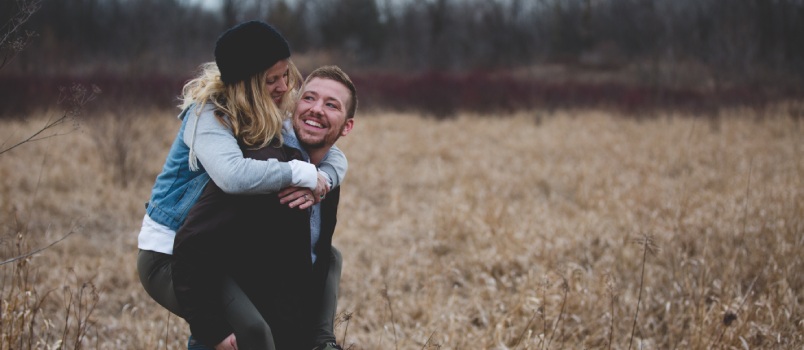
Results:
[20, 95]
[437, 94]
[444, 94]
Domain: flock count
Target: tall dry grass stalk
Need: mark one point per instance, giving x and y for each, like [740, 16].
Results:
[481, 232]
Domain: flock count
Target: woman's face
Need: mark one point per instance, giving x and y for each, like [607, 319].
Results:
[276, 80]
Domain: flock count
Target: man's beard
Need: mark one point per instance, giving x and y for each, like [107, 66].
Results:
[326, 141]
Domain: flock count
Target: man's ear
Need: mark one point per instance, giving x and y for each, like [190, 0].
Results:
[347, 126]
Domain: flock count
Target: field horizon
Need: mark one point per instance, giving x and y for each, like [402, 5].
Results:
[528, 230]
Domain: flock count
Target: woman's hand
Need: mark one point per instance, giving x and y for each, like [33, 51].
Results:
[321, 189]
[297, 197]
[227, 344]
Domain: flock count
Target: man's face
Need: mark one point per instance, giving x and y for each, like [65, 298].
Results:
[276, 80]
[320, 117]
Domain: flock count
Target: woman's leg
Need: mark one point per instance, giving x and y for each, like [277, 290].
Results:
[324, 321]
[251, 330]
[156, 277]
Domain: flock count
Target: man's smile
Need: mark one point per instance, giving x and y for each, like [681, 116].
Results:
[313, 123]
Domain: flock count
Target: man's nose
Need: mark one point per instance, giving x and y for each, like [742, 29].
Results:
[317, 107]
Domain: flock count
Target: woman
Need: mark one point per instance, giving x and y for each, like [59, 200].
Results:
[239, 101]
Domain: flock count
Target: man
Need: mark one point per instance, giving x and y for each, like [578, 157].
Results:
[278, 255]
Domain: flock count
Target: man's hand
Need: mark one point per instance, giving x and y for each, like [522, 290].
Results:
[227, 344]
[296, 197]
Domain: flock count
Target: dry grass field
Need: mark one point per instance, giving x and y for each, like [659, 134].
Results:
[562, 230]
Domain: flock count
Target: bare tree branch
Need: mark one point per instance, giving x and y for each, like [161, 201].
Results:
[35, 251]
[14, 39]
[76, 97]
[35, 136]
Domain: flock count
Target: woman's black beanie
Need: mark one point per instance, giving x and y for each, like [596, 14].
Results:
[247, 49]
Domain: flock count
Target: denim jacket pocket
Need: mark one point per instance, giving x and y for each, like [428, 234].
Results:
[171, 210]
[190, 196]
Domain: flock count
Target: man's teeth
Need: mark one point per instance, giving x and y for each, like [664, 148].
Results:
[313, 123]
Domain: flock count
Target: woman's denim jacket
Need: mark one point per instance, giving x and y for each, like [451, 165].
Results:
[176, 188]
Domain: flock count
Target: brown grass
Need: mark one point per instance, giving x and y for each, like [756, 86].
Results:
[525, 231]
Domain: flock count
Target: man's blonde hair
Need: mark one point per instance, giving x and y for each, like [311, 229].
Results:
[246, 106]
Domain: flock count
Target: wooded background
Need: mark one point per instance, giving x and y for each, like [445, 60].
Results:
[487, 54]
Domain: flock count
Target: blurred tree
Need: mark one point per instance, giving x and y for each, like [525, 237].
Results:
[568, 26]
[230, 13]
[120, 36]
[736, 39]
[352, 27]
[290, 21]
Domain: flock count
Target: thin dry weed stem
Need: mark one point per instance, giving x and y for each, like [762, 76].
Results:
[545, 284]
[167, 328]
[427, 342]
[729, 317]
[526, 329]
[565, 290]
[24, 317]
[648, 246]
[75, 98]
[747, 195]
[13, 39]
[345, 317]
[40, 134]
[36, 251]
[611, 289]
[391, 310]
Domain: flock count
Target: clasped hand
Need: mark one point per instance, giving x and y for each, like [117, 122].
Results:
[303, 198]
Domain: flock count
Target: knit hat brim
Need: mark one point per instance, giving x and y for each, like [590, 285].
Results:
[247, 49]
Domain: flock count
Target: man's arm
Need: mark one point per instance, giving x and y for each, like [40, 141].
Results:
[334, 165]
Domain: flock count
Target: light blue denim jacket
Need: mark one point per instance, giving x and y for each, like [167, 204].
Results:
[177, 187]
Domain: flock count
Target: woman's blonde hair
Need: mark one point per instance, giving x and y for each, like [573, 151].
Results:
[252, 114]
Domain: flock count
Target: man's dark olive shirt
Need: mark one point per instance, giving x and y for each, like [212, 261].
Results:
[264, 246]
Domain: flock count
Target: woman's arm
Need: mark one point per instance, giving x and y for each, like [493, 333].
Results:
[217, 150]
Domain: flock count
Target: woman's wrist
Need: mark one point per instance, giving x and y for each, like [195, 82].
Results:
[303, 174]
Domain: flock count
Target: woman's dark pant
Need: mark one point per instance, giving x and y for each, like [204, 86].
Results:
[251, 330]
